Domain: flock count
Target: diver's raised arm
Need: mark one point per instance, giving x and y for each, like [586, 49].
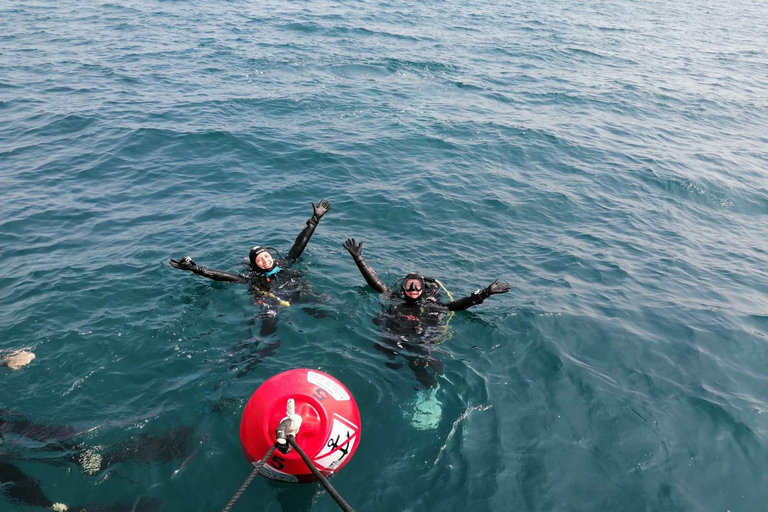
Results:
[186, 263]
[301, 241]
[356, 250]
[478, 297]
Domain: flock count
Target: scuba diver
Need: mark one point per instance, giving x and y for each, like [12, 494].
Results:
[271, 282]
[415, 320]
[57, 444]
[22, 489]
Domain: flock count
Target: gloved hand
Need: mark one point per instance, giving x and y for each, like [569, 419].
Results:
[497, 287]
[185, 263]
[355, 249]
[321, 209]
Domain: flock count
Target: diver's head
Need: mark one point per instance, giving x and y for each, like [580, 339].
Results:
[261, 259]
[413, 286]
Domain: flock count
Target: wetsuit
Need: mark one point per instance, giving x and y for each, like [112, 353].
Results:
[272, 289]
[430, 295]
[411, 327]
[13, 423]
[22, 489]
[272, 280]
[58, 439]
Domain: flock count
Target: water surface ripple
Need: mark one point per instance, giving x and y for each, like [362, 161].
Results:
[608, 158]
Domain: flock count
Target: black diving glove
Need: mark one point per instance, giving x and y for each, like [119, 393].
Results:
[185, 263]
[492, 289]
[496, 287]
[320, 210]
[355, 249]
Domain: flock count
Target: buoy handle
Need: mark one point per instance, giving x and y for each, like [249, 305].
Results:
[289, 426]
[295, 425]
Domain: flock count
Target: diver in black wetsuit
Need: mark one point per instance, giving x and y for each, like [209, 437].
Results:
[22, 489]
[58, 445]
[271, 281]
[412, 324]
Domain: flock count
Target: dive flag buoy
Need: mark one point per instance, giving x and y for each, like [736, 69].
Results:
[330, 425]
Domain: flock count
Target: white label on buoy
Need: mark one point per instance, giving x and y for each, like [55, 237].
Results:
[333, 388]
[339, 443]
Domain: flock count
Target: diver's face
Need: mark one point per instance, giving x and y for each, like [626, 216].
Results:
[264, 260]
[412, 288]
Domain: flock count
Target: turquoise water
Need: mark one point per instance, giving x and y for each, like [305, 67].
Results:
[607, 158]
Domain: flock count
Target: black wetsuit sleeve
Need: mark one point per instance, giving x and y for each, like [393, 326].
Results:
[302, 240]
[467, 302]
[22, 488]
[219, 275]
[370, 275]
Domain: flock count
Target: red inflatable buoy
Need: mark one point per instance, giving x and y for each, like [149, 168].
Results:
[330, 428]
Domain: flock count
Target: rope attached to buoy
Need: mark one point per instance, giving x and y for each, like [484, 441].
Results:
[256, 468]
[328, 487]
[286, 439]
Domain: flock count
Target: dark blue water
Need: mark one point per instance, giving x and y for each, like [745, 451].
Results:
[607, 158]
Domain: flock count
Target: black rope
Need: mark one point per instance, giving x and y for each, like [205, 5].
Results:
[328, 487]
[250, 478]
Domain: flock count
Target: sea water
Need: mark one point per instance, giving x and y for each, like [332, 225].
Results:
[606, 158]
